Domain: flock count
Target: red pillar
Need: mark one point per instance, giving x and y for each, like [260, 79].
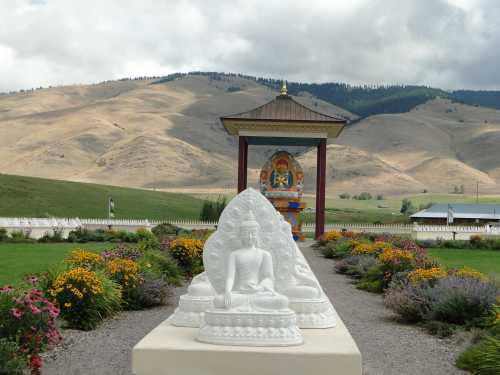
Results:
[242, 163]
[320, 189]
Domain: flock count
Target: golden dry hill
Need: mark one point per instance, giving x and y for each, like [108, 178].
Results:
[139, 134]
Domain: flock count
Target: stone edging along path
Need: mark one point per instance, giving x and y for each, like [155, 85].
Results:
[387, 347]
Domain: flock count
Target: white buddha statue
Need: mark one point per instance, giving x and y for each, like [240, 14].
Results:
[249, 284]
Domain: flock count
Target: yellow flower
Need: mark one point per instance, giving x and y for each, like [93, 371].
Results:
[331, 235]
[395, 255]
[82, 258]
[467, 272]
[124, 271]
[363, 249]
[421, 274]
[67, 305]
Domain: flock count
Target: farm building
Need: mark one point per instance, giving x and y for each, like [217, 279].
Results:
[459, 214]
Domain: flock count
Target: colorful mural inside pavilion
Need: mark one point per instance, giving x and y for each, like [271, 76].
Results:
[282, 181]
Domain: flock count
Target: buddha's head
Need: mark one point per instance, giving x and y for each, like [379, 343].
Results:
[249, 232]
[282, 166]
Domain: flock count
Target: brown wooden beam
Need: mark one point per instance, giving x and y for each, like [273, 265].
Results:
[320, 189]
[242, 163]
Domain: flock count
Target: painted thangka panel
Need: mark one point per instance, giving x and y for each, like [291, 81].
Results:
[282, 182]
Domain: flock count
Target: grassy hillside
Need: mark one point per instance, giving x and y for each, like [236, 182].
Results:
[38, 197]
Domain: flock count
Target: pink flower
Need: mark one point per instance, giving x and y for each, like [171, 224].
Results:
[35, 310]
[16, 313]
[6, 289]
[32, 279]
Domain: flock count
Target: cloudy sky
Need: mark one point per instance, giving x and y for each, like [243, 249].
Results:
[443, 43]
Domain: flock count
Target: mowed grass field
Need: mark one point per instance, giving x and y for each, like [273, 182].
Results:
[20, 259]
[486, 261]
[385, 211]
[38, 197]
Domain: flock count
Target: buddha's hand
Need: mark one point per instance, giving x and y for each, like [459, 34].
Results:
[227, 299]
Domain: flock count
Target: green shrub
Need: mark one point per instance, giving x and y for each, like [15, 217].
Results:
[163, 266]
[345, 196]
[337, 249]
[4, 236]
[440, 329]
[20, 236]
[372, 280]
[164, 230]
[56, 236]
[11, 362]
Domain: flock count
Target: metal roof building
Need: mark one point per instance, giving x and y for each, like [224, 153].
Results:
[459, 213]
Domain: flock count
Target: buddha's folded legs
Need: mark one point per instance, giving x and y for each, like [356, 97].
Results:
[262, 301]
[269, 302]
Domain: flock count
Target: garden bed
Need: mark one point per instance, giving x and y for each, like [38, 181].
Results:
[422, 291]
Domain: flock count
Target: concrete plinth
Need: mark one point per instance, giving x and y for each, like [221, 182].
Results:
[170, 350]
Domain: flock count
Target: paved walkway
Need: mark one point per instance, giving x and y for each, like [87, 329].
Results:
[386, 346]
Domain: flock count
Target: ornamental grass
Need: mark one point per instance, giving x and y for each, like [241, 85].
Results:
[85, 297]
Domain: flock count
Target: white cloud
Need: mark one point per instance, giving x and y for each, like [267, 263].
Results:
[446, 43]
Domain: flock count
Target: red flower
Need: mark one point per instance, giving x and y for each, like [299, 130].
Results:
[35, 364]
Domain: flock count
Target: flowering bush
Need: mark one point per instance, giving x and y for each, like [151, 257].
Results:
[126, 273]
[153, 291]
[331, 235]
[122, 251]
[188, 252]
[27, 319]
[338, 249]
[84, 259]
[430, 275]
[364, 249]
[463, 301]
[85, 297]
[410, 301]
[356, 265]
[470, 273]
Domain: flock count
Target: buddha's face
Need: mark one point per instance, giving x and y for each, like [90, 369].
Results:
[249, 236]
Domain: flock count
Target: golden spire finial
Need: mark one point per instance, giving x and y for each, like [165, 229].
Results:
[284, 90]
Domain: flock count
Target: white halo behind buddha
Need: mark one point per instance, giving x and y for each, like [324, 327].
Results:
[249, 209]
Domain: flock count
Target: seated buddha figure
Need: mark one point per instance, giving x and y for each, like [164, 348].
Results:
[249, 284]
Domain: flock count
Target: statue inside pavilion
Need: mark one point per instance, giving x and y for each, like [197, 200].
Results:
[282, 182]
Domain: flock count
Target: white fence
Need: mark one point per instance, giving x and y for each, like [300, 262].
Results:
[37, 227]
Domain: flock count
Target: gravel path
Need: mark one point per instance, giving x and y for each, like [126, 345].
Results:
[387, 347]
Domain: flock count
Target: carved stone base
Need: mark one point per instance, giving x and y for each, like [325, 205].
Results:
[223, 327]
[317, 313]
[191, 311]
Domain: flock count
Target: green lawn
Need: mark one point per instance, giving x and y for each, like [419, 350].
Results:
[18, 260]
[486, 261]
[38, 197]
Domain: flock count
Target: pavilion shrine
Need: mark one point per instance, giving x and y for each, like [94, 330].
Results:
[285, 122]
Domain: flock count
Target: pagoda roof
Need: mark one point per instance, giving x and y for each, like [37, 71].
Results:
[284, 108]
